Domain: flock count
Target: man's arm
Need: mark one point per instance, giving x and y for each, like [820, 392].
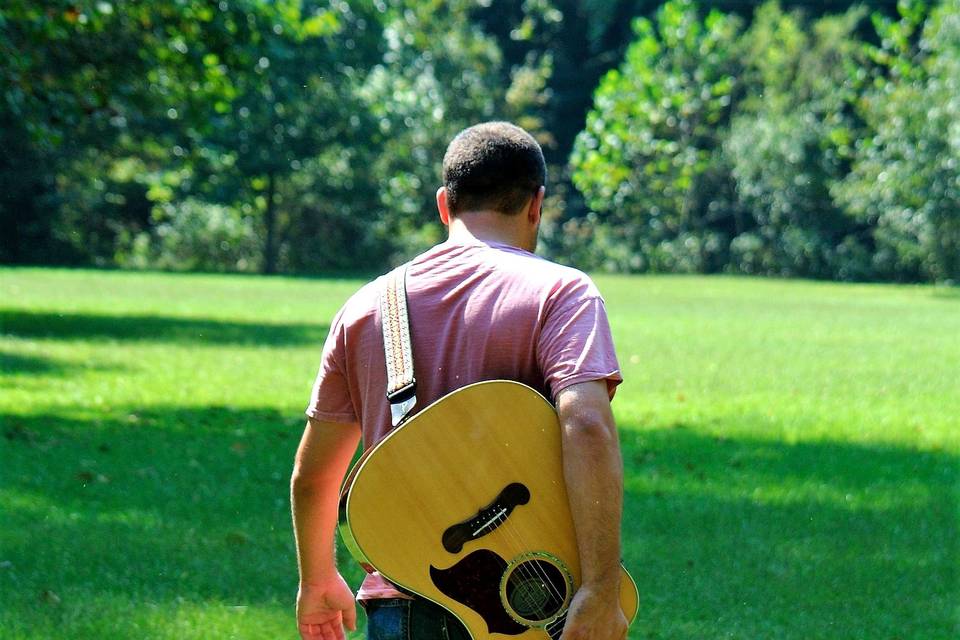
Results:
[593, 471]
[325, 603]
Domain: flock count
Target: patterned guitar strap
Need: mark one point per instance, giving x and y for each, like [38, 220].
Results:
[401, 385]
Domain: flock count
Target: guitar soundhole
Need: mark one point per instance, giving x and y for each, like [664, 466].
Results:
[535, 592]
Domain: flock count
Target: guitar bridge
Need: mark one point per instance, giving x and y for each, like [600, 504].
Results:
[487, 519]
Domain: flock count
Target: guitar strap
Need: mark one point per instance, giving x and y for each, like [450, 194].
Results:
[401, 385]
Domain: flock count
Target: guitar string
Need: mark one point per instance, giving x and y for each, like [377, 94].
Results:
[552, 590]
[561, 621]
[521, 550]
[538, 573]
[528, 570]
[535, 572]
[516, 547]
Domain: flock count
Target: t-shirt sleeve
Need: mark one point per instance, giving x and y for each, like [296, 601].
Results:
[576, 344]
[330, 399]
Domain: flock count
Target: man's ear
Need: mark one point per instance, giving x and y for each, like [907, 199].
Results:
[443, 207]
[535, 210]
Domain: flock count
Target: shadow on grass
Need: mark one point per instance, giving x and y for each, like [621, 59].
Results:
[947, 293]
[727, 538]
[70, 326]
[747, 538]
[153, 508]
[13, 365]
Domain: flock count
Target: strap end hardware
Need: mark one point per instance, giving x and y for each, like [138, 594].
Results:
[400, 410]
[403, 393]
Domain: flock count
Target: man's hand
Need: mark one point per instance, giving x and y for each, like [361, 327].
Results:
[595, 615]
[324, 609]
[325, 602]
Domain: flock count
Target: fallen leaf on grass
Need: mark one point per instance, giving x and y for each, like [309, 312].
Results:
[237, 538]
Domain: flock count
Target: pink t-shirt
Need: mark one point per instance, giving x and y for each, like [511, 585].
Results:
[478, 311]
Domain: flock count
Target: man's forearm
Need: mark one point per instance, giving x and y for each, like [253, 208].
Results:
[322, 460]
[314, 525]
[593, 471]
[594, 478]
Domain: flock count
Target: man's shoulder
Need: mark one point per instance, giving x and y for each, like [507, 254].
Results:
[537, 268]
[510, 269]
[362, 304]
[567, 281]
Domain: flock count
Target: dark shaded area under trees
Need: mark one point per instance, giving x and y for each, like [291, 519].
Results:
[306, 136]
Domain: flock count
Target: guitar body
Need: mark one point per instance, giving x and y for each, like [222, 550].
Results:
[466, 505]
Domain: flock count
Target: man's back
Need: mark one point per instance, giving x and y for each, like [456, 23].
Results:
[478, 311]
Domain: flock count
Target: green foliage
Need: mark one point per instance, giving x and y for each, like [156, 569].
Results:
[195, 236]
[439, 74]
[334, 221]
[288, 94]
[749, 141]
[66, 77]
[791, 140]
[818, 118]
[649, 156]
[252, 105]
[905, 179]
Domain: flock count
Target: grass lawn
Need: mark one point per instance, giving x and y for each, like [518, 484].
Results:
[792, 454]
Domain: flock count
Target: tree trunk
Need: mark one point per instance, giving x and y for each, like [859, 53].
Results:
[270, 222]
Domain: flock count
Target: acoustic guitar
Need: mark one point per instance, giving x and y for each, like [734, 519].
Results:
[465, 505]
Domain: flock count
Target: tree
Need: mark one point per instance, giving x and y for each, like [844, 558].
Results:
[277, 97]
[904, 180]
[67, 77]
[791, 140]
[220, 102]
[649, 161]
[439, 74]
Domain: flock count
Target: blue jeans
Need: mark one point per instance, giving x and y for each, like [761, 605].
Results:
[398, 619]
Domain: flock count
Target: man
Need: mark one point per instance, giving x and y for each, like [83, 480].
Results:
[481, 307]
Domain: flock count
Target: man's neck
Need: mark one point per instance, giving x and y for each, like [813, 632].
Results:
[487, 226]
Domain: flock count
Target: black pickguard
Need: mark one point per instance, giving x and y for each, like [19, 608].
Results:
[475, 582]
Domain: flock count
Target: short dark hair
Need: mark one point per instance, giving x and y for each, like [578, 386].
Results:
[493, 165]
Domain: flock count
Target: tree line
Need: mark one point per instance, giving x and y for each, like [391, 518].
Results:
[826, 148]
[305, 136]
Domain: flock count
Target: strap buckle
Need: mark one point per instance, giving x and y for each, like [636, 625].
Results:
[403, 393]
[402, 401]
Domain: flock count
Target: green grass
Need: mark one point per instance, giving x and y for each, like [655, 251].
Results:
[792, 454]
